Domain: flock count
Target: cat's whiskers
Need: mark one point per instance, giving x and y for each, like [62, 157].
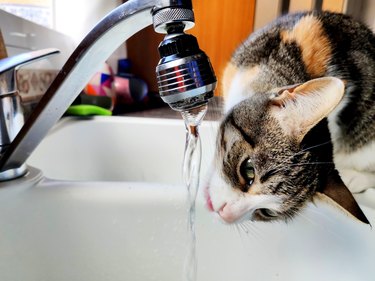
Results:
[246, 242]
[234, 228]
[257, 234]
[310, 163]
[314, 146]
[289, 157]
[239, 228]
[238, 231]
[251, 227]
[244, 229]
[307, 149]
[285, 166]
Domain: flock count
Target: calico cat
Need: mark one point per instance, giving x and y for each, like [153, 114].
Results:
[300, 119]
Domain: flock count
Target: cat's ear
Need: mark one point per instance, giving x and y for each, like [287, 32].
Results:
[300, 107]
[334, 192]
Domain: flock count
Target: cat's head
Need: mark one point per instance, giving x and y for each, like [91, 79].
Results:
[269, 160]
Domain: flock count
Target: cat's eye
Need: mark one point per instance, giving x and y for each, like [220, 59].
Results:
[267, 213]
[247, 171]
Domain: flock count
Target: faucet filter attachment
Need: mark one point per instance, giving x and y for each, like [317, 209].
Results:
[169, 16]
[170, 12]
[184, 74]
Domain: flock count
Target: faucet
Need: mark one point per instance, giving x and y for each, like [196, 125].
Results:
[185, 77]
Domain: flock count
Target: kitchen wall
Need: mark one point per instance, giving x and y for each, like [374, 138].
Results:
[21, 36]
[71, 19]
[78, 19]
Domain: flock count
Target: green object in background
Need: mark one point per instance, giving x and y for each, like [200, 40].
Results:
[87, 110]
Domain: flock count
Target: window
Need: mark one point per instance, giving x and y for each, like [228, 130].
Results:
[38, 11]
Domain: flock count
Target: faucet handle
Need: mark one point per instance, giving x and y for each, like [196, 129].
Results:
[16, 61]
[9, 65]
[11, 113]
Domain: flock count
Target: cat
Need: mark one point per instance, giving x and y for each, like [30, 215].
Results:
[299, 120]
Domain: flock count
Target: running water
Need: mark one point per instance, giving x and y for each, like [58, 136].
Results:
[190, 174]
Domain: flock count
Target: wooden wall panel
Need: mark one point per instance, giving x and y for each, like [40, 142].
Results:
[300, 5]
[220, 27]
[266, 11]
[333, 5]
[142, 49]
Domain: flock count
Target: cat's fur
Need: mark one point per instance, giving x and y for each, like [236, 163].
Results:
[279, 87]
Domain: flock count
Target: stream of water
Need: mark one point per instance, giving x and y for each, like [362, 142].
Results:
[190, 173]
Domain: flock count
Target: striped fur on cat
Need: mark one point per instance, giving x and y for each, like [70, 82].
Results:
[299, 124]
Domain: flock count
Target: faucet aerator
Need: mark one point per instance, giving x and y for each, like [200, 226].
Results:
[184, 73]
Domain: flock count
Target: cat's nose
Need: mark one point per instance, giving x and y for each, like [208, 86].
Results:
[223, 209]
[226, 214]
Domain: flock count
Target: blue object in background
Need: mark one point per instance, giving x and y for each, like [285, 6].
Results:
[131, 91]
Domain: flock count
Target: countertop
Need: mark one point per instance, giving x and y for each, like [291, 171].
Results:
[215, 109]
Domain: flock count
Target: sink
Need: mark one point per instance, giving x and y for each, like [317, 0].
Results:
[110, 205]
[119, 149]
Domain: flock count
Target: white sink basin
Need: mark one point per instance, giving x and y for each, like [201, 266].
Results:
[118, 149]
[60, 230]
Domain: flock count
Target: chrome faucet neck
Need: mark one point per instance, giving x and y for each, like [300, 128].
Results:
[86, 60]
